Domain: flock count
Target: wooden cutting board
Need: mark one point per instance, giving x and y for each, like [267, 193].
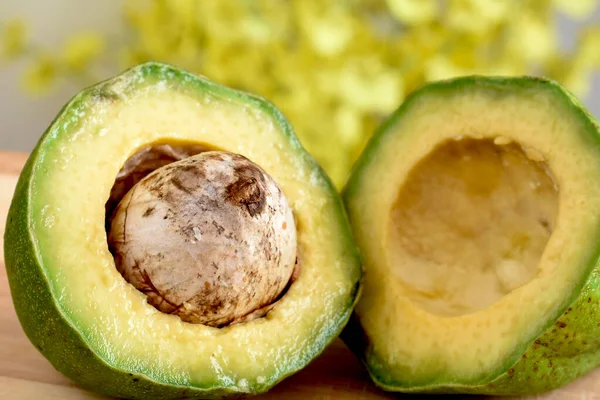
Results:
[336, 374]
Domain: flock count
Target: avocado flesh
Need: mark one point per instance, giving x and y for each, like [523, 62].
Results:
[475, 209]
[99, 330]
[469, 225]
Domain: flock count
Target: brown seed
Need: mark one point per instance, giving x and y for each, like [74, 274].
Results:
[212, 249]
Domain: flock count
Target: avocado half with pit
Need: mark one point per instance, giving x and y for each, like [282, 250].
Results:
[170, 238]
[476, 207]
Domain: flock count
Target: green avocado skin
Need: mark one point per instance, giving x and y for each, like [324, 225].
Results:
[51, 331]
[566, 348]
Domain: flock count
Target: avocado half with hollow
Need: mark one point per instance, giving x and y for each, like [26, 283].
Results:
[170, 238]
[476, 207]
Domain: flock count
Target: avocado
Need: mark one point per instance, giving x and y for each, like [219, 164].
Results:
[169, 238]
[476, 208]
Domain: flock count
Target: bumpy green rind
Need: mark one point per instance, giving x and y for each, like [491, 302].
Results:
[567, 347]
[57, 337]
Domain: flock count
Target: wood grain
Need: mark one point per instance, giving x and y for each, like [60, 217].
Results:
[335, 375]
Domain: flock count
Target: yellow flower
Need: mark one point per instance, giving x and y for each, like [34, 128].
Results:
[588, 51]
[40, 75]
[578, 81]
[478, 17]
[335, 67]
[575, 72]
[348, 124]
[414, 12]
[440, 67]
[328, 29]
[369, 86]
[532, 38]
[13, 38]
[256, 29]
[81, 50]
[577, 8]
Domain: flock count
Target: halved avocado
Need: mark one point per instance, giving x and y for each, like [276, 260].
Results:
[476, 207]
[99, 330]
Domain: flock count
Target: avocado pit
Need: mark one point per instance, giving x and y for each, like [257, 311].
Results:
[210, 238]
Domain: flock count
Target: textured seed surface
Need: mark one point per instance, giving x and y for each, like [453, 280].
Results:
[210, 238]
[142, 163]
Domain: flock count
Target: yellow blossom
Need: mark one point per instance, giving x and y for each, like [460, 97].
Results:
[440, 67]
[478, 17]
[414, 11]
[589, 47]
[40, 75]
[530, 37]
[328, 28]
[13, 38]
[577, 8]
[370, 87]
[81, 50]
[576, 72]
[335, 68]
[349, 125]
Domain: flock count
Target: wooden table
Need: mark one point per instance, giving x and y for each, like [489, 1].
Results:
[26, 375]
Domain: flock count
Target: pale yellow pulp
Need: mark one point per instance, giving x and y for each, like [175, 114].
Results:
[470, 225]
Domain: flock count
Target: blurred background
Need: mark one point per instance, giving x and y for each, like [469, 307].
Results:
[335, 68]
